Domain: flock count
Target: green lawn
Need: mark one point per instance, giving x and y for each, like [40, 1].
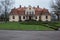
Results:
[23, 26]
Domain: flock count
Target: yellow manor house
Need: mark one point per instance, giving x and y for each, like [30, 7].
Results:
[29, 13]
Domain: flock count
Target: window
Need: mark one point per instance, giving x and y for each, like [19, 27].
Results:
[23, 17]
[36, 17]
[40, 17]
[27, 13]
[19, 17]
[13, 17]
[46, 17]
[32, 13]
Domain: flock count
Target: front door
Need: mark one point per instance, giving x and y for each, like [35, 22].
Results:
[29, 17]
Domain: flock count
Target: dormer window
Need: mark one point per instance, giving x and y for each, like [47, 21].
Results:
[30, 11]
[29, 8]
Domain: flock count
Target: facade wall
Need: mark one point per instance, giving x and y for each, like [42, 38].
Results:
[33, 18]
[22, 19]
[49, 18]
[37, 18]
[16, 18]
[43, 18]
[10, 18]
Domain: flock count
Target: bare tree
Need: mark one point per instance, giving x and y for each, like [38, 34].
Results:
[1, 8]
[7, 4]
[56, 8]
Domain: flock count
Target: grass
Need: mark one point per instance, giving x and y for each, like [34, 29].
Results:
[53, 25]
[23, 26]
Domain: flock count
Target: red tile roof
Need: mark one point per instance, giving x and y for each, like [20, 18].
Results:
[21, 11]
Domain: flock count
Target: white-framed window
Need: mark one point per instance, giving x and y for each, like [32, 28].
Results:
[23, 17]
[35, 17]
[32, 12]
[13, 17]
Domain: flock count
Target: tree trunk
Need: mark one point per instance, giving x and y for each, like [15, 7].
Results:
[58, 17]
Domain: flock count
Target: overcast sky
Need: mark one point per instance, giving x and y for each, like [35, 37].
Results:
[41, 3]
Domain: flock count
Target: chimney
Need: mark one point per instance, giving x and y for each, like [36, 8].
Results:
[14, 7]
[29, 5]
[34, 7]
[24, 6]
[20, 6]
[38, 6]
